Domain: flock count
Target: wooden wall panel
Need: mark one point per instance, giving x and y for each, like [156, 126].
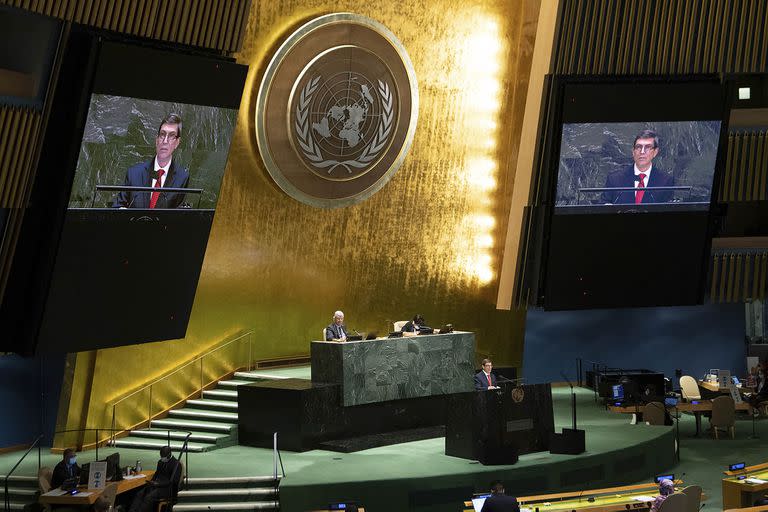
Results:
[673, 36]
[213, 24]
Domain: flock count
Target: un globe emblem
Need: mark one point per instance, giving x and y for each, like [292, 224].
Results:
[337, 110]
[343, 119]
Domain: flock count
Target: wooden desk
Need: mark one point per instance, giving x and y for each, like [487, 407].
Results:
[87, 497]
[697, 409]
[611, 499]
[715, 387]
[740, 493]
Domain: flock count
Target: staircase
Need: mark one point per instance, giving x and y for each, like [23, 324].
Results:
[230, 494]
[212, 420]
[22, 490]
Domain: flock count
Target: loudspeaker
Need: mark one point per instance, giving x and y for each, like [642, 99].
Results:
[570, 442]
[495, 457]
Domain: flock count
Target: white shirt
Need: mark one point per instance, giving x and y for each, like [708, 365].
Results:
[165, 174]
[637, 172]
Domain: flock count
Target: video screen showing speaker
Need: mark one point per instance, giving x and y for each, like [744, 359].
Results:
[610, 167]
[150, 154]
[632, 171]
[125, 194]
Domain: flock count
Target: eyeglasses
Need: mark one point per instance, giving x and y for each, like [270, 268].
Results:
[643, 148]
[170, 137]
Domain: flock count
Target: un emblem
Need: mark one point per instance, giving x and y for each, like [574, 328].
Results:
[337, 110]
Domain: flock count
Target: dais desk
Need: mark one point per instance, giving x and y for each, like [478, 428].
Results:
[385, 369]
[86, 497]
[739, 493]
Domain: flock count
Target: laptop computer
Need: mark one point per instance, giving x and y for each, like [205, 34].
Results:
[478, 500]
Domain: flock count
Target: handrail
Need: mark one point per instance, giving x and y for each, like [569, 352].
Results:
[275, 458]
[179, 369]
[36, 442]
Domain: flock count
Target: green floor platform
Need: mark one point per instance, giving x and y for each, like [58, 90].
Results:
[417, 476]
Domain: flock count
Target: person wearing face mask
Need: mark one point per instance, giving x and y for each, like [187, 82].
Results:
[65, 469]
[163, 485]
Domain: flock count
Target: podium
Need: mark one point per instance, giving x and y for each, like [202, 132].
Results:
[496, 426]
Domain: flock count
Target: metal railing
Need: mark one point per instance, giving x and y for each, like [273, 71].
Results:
[162, 382]
[36, 442]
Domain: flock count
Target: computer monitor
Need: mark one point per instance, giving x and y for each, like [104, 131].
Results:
[113, 466]
[659, 478]
[670, 401]
[617, 392]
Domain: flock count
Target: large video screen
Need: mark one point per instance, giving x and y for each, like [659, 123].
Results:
[132, 146]
[669, 165]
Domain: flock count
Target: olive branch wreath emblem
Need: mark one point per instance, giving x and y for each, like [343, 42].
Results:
[311, 150]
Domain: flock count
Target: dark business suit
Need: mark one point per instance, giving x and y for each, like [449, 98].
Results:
[163, 485]
[335, 332]
[481, 382]
[139, 175]
[500, 503]
[410, 327]
[626, 178]
[62, 471]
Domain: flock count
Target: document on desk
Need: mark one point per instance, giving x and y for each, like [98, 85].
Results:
[644, 499]
[84, 493]
[132, 477]
[56, 492]
[755, 480]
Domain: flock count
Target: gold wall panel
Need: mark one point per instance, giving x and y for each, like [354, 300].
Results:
[429, 242]
[738, 276]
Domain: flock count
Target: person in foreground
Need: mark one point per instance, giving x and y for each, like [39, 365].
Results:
[160, 172]
[485, 379]
[65, 469]
[163, 485]
[337, 331]
[498, 501]
[666, 487]
[640, 175]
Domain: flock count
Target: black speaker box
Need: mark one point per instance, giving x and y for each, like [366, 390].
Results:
[570, 442]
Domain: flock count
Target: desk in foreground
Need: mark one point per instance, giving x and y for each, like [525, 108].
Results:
[613, 499]
[387, 369]
[739, 493]
[87, 497]
[697, 409]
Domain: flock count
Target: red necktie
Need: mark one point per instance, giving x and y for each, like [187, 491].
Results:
[158, 184]
[488, 375]
[639, 195]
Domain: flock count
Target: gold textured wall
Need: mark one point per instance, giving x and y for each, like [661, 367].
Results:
[430, 242]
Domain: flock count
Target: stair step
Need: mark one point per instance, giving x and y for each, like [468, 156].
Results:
[202, 437]
[254, 375]
[203, 414]
[22, 491]
[18, 506]
[207, 403]
[20, 479]
[208, 426]
[221, 394]
[214, 480]
[156, 444]
[233, 383]
[245, 505]
[197, 493]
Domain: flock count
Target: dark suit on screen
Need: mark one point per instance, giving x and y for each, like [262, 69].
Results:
[500, 503]
[626, 178]
[139, 175]
[481, 381]
[335, 332]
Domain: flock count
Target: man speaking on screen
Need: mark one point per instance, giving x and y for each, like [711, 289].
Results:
[640, 176]
[159, 172]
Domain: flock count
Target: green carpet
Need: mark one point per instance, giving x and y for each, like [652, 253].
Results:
[417, 476]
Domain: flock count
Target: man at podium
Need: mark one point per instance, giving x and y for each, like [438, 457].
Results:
[485, 379]
[337, 331]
